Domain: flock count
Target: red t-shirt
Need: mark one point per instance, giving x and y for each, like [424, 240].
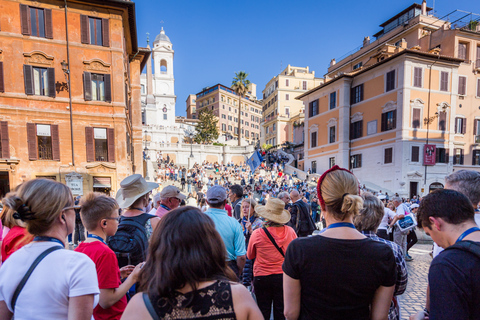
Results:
[108, 275]
[16, 238]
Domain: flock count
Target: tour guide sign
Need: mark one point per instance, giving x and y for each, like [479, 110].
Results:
[429, 155]
[74, 181]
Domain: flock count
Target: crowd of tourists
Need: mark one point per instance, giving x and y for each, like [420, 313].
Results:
[245, 247]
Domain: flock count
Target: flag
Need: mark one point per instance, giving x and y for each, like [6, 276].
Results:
[255, 161]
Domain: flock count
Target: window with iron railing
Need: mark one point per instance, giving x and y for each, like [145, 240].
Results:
[44, 148]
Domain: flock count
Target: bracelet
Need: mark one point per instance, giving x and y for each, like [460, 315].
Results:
[426, 312]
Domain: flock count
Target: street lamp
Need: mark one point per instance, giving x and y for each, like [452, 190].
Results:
[190, 133]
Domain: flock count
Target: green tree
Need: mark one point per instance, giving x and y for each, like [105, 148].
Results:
[240, 86]
[207, 127]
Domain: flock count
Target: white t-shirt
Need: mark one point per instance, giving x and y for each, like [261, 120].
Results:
[387, 214]
[437, 249]
[60, 275]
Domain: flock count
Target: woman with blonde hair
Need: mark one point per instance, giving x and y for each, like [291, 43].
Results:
[41, 280]
[250, 222]
[340, 274]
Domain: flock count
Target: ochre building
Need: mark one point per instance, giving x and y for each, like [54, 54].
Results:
[404, 110]
[90, 125]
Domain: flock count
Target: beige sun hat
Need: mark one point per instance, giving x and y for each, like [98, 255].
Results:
[132, 188]
[274, 211]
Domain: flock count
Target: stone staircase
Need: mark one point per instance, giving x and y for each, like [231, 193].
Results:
[289, 169]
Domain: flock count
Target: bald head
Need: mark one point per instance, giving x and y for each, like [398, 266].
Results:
[294, 195]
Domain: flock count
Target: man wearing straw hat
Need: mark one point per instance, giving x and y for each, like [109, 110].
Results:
[229, 229]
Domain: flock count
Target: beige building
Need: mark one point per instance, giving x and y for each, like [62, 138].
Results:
[281, 111]
[223, 102]
[402, 111]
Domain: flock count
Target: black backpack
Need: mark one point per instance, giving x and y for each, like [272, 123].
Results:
[130, 243]
[468, 246]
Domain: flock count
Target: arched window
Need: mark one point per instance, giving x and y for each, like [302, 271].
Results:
[163, 66]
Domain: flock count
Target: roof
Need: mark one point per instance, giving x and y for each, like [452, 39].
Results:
[413, 6]
[162, 37]
[354, 74]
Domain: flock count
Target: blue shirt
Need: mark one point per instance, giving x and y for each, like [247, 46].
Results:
[230, 231]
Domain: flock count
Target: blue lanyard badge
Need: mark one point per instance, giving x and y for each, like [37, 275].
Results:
[94, 236]
[341, 224]
[466, 233]
[51, 239]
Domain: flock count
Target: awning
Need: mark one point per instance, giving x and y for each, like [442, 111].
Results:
[102, 182]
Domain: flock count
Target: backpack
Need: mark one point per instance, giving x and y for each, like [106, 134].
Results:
[305, 223]
[130, 243]
[468, 246]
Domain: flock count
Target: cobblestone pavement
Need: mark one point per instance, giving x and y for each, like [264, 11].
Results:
[413, 300]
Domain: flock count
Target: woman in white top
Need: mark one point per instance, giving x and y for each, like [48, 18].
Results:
[64, 284]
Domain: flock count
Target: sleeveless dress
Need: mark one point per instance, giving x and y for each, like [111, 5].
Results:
[212, 302]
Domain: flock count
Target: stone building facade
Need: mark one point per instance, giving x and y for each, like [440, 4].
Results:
[70, 102]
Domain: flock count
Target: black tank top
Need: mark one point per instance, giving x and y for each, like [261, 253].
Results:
[212, 302]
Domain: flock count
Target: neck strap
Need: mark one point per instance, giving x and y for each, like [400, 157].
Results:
[341, 224]
[466, 233]
[50, 239]
[94, 236]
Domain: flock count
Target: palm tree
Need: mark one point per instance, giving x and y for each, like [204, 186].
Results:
[240, 86]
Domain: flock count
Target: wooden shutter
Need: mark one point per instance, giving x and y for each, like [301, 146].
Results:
[87, 86]
[415, 153]
[361, 92]
[32, 141]
[84, 29]
[352, 134]
[475, 126]
[444, 81]
[105, 33]
[464, 126]
[416, 118]
[417, 81]
[55, 142]
[384, 122]
[462, 51]
[478, 85]
[360, 129]
[394, 119]
[28, 77]
[461, 156]
[456, 125]
[462, 82]
[352, 95]
[4, 140]
[51, 82]
[442, 121]
[48, 23]
[108, 88]
[90, 144]
[447, 156]
[25, 20]
[2, 82]
[111, 144]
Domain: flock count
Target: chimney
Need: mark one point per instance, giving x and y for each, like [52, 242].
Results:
[424, 7]
[403, 43]
[366, 41]
[332, 62]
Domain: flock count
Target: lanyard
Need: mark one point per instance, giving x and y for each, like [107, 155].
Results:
[94, 236]
[466, 233]
[341, 224]
[51, 239]
[165, 207]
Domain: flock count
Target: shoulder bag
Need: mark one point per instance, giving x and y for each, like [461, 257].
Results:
[273, 241]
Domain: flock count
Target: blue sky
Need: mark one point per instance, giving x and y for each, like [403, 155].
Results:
[214, 39]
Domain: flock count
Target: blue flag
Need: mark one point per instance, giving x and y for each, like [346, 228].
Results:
[254, 161]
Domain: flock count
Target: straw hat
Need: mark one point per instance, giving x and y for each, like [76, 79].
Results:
[132, 188]
[274, 211]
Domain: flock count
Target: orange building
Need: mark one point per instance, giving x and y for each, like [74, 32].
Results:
[70, 97]
[402, 111]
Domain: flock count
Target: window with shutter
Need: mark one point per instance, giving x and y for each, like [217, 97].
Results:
[442, 121]
[332, 137]
[417, 77]
[356, 130]
[388, 155]
[476, 157]
[390, 85]
[478, 87]
[462, 51]
[444, 81]
[333, 100]
[2, 81]
[105, 33]
[476, 127]
[28, 78]
[389, 120]
[416, 118]
[462, 85]
[4, 140]
[25, 19]
[111, 144]
[313, 142]
[477, 64]
[287, 82]
[357, 94]
[415, 154]
[87, 86]
[44, 141]
[32, 141]
[458, 156]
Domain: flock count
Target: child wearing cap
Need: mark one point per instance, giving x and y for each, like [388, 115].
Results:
[99, 215]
